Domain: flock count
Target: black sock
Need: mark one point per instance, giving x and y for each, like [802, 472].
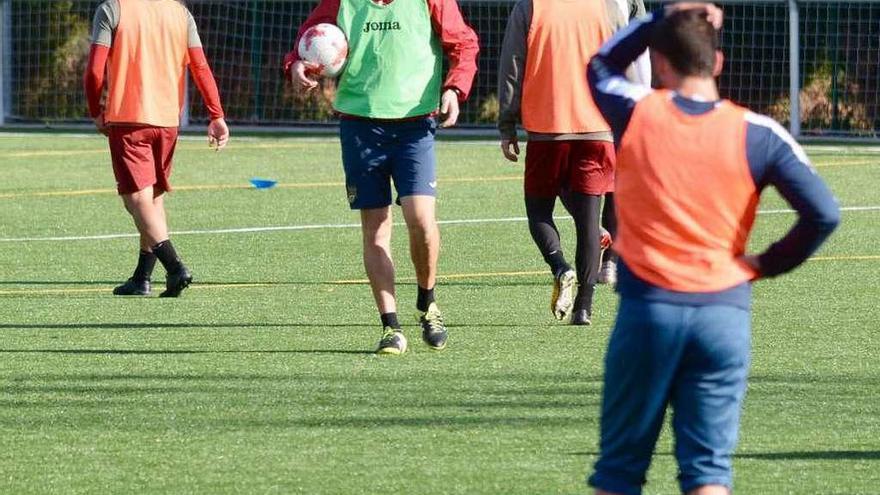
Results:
[389, 320]
[167, 256]
[144, 269]
[426, 297]
[557, 263]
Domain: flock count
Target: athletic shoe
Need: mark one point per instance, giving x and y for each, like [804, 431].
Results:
[392, 342]
[563, 294]
[581, 317]
[177, 281]
[433, 331]
[608, 273]
[133, 287]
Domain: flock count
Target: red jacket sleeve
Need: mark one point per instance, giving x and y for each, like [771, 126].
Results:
[326, 11]
[459, 42]
[204, 79]
[93, 79]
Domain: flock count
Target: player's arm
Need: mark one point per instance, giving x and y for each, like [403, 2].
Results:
[297, 70]
[776, 159]
[218, 132]
[461, 46]
[616, 96]
[511, 67]
[105, 21]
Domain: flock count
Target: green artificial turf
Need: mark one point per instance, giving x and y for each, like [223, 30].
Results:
[260, 378]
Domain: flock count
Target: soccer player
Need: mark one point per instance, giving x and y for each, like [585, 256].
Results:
[570, 153]
[144, 47]
[387, 99]
[690, 171]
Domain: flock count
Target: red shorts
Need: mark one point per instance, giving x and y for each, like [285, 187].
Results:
[586, 167]
[142, 157]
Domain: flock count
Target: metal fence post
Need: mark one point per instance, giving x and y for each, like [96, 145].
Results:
[5, 58]
[794, 47]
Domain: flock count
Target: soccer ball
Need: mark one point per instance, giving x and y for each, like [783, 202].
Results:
[325, 45]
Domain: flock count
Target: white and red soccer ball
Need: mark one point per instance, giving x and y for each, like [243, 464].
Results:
[325, 46]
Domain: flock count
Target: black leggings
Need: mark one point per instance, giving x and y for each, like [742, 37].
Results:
[609, 221]
[584, 209]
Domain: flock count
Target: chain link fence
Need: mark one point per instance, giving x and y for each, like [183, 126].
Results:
[44, 46]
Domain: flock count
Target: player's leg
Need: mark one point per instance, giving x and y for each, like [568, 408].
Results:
[177, 277]
[368, 186]
[608, 269]
[133, 167]
[590, 174]
[376, 227]
[707, 397]
[149, 220]
[640, 366]
[142, 212]
[544, 161]
[424, 243]
[414, 168]
[584, 209]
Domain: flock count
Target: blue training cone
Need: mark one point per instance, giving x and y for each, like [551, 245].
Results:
[263, 183]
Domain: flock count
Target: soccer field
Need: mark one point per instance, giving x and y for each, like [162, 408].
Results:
[260, 379]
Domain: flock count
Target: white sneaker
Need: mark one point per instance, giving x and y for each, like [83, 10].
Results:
[608, 273]
[562, 298]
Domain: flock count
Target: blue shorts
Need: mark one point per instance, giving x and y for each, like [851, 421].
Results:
[374, 153]
[695, 358]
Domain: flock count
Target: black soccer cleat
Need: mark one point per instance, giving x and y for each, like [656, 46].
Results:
[175, 282]
[392, 343]
[433, 330]
[581, 317]
[133, 287]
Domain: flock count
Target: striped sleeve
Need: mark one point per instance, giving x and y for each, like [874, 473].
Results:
[777, 160]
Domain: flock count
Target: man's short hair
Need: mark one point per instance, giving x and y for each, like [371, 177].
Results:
[688, 41]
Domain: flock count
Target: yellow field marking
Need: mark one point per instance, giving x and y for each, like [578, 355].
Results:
[18, 292]
[108, 289]
[454, 276]
[223, 187]
[258, 285]
[189, 146]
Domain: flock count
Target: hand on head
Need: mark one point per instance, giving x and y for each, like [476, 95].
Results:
[713, 14]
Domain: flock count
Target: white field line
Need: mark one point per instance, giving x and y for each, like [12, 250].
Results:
[328, 226]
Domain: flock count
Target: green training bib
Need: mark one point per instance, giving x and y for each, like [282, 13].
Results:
[394, 64]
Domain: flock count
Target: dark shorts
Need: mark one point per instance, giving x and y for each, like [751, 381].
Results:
[585, 167]
[375, 153]
[142, 157]
[694, 358]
